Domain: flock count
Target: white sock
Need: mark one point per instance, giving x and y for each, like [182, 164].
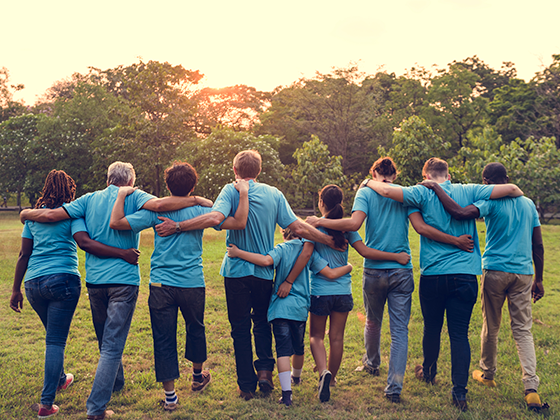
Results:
[285, 380]
[296, 372]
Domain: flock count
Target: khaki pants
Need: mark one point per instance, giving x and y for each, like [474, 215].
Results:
[496, 287]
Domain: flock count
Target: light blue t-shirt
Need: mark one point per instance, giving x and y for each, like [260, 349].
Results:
[437, 258]
[321, 285]
[267, 208]
[177, 259]
[96, 209]
[386, 227]
[54, 248]
[509, 234]
[295, 306]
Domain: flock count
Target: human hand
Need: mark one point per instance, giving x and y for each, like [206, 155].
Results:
[16, 301]
[232, 251]
[537, 290]
[241, 185]
[284, 289]
[131, 255]
[403, 258]
[428, 183]
[204, 202]
[465, 243]
[313, 221]
[167, 227]
[124, 191]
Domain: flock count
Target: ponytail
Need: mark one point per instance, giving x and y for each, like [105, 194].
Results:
[332, 196]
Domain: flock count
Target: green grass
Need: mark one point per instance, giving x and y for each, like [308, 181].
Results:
[357, 395]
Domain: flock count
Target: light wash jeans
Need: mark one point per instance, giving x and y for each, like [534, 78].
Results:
[54, 297]
[111, 309]
[394, 286]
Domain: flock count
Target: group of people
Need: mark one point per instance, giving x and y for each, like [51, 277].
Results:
[272, 289]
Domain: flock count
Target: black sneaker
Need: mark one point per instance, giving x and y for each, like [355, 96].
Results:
[394, 398]
[324, 386]
[286, 398]
[369, 369]
[461, 404]
[296, 380]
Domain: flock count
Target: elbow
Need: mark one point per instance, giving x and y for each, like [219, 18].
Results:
[298, 228]
[113, 225]
[215, 218]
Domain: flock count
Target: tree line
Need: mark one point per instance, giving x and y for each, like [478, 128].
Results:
[328, 128]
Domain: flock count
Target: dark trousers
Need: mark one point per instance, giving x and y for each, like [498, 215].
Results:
[454, 295]
[247, 303]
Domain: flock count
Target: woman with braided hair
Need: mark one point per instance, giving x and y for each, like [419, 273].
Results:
[49, 261]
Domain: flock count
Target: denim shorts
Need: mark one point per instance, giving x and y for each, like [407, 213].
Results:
[289, 336]
[324, 305]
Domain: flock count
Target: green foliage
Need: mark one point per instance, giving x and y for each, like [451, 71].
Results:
[316, 168]
[414, 143]
[213, 159]
[8, 107]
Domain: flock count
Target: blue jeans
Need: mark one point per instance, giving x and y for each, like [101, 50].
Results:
[247, 301]
[454, 294]
[289, 336]
[164, 303]
[394, 286]
[54, 297]
[111, 309]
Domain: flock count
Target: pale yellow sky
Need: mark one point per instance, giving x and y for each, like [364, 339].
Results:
[267, 44]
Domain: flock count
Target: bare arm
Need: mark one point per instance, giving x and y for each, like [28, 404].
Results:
[463, 242]
[239, 220]
[386, 190]
[16, 300]
[335, 273]
[538, 260]
[373, 254]
[118, 220]
[98, 249]
[174, 202]
[345, 225]
[44, 215]
[450, 205]
[303, 230]
[252, 257]
[505, 190]
[299, 266]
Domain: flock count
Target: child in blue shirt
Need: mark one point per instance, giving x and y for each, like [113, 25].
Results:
[289, 304]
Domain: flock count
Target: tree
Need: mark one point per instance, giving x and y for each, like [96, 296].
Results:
[547, 103]
[316, 168]
[213, 157]
[8, 107]
[413, 143]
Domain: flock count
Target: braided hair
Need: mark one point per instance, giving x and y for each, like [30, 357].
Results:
[59, 188]
[332, 196]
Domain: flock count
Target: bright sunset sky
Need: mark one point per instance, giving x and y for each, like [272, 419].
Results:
[266, 44]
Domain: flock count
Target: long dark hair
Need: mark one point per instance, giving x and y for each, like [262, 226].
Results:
[59, 188]
[332, 196]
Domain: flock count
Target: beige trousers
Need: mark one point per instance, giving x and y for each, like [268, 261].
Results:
[496, 287]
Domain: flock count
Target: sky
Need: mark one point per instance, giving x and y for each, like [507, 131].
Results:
[266, 44]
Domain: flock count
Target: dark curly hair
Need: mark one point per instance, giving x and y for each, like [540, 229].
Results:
[59, 188]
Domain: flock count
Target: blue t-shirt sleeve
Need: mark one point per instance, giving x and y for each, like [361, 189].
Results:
[361, 201]
[317, 263]
[480, 192]
[141, 198]
[536, 220]
[414, 196]
[224, 202]
[285, 214]
[26, 233]
[484, 207]
[142, 219]
[353, 237]
[276, 254]
[77, 208]
[78, 225]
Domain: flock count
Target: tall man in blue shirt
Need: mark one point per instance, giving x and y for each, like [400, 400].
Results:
[112, 283]
[448, 276]
[249, 287]
[513, 244]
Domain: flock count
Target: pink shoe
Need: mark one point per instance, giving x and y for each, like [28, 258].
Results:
[46, 413]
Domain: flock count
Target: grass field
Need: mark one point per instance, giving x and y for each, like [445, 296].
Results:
[357, 395]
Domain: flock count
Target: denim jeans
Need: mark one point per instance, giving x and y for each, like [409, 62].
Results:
[289, 336]
[54, 297]
[247, 301]
[454, 294]
[111, 309]
[394, 286]
[164, 303]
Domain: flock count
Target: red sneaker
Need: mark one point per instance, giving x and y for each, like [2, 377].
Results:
[46, 413]
[69, 381]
